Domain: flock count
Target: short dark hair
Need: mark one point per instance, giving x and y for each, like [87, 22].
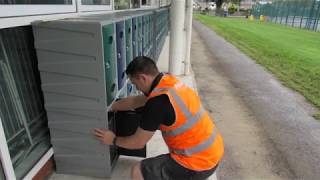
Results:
[142, 65]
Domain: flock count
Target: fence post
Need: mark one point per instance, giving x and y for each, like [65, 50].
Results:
[294, 14]
[288, 11]
[316, 20]
[281, 12]
[276, 8]
[304, 9]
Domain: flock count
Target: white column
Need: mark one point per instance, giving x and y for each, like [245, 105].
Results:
[188, 27]
[177, 37]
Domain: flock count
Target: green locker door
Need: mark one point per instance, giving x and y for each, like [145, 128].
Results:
[128, 26]
[109, 62]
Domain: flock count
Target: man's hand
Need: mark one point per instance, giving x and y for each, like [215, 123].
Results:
[128, 103]
[105, 136]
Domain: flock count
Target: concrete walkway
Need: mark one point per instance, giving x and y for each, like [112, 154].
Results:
[268, 129]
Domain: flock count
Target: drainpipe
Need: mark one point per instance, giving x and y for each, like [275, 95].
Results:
[188, 28]
[177, 36]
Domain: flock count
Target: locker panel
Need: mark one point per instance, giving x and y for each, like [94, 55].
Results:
[128, 41]
[140, 53]
[144, 34]
[121, 56]
[79, 144]
[83, 128]
[109, 62]
[134, 37]
[71, 71]
[91, 165]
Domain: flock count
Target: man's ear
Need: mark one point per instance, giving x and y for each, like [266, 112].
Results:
[143, 77]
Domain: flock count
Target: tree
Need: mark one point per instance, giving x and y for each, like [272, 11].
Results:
[219, 3]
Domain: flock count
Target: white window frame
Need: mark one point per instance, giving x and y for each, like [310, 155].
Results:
[5, 155]
[145, 6]
[7, 163]
[13, 10]
[37, 167]
[88, 8]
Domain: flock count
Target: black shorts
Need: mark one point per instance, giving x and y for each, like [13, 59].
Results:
[163, 167]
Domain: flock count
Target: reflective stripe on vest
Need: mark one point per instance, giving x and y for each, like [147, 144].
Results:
[198, 148]
[191, 119]
[179, 101]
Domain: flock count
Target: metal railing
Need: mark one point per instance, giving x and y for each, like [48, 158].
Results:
[296, 13]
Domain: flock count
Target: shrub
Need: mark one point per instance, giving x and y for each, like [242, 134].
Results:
[232, 9]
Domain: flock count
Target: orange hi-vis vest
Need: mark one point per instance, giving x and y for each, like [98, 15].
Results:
[193, 139]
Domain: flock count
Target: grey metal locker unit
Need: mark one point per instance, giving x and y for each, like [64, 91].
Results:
[75, 67]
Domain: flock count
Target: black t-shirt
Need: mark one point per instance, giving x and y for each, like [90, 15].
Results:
[158, 110]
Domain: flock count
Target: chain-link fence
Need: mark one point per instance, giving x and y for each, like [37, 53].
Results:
[295, 13]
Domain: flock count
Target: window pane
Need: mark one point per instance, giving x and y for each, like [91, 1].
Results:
[135, 3]
[145, 2]
[95, 2]
[121, 4]
[21, 102]
[36, 2]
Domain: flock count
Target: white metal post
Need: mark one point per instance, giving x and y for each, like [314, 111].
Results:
[189, 12]
[5, 156]
[177, 36]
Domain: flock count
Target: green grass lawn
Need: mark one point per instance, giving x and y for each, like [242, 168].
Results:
[292, 54]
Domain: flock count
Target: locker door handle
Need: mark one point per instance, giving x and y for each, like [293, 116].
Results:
[113, 87]
[110, 40]
[119, 55]
[107, 64]
[123, 75]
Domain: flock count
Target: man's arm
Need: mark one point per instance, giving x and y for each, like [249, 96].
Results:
[129, 103]
[136, 141]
